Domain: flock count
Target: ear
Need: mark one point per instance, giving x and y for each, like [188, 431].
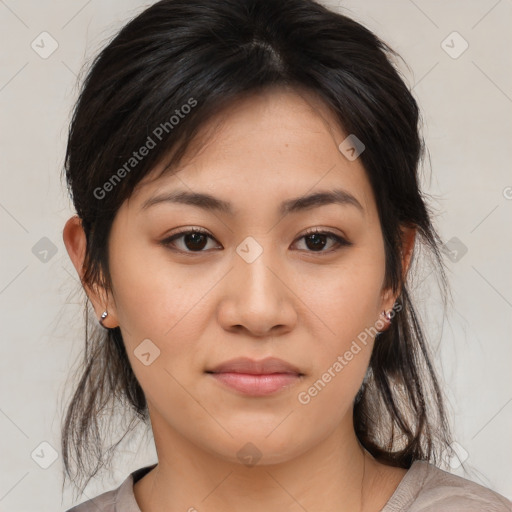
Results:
[74, 239]
[408, 237]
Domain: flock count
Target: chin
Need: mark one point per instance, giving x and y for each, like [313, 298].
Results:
[256, 447]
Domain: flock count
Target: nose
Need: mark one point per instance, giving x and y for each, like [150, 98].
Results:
[258, 297]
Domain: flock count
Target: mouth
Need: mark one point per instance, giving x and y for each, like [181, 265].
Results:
[256, 378]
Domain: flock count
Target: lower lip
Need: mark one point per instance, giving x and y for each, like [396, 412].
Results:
[257, 385]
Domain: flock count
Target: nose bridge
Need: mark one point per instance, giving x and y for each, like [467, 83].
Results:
[258, 299]
[254, 257]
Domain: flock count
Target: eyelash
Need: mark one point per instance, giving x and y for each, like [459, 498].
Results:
[340, 241]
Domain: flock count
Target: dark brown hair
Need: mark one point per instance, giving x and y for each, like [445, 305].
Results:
[177, 52]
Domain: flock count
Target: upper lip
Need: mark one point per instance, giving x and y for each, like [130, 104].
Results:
[251, 366]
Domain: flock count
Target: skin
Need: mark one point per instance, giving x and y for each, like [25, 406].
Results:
[294, 302]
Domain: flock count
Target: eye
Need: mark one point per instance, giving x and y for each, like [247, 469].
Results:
[316, 238]
[195, 240]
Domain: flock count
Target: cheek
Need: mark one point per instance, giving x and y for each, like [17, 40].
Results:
[346, 302]
[334, 387]
[346, 297]
[153, 296]
[161, 322]
[170, 306]
[342, 358]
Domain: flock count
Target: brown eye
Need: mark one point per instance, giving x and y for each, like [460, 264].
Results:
[316, 240]
[194, 240]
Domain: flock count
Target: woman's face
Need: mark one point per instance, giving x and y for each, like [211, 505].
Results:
[255, 286]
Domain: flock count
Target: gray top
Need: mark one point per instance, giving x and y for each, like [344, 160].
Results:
[424, 488]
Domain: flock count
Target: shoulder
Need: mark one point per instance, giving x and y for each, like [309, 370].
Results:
[426, 488]
[121, 499]
[105, 502]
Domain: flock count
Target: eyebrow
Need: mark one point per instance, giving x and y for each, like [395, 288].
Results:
[210, 203]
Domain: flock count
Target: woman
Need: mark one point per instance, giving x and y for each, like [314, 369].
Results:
[245, 177]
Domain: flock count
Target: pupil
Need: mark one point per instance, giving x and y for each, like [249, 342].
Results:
[196, 239]
[317, 236]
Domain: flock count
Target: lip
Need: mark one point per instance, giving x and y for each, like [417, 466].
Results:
[252, 367]
[256, 378]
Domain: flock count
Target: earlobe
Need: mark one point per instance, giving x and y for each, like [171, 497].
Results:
[75, 241]
[385, 319]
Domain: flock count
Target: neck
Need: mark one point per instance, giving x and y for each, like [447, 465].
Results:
[334, 475]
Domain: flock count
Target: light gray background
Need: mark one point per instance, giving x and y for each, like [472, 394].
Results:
[466, 104]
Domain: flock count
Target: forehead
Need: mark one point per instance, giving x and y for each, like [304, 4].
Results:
[277, 144]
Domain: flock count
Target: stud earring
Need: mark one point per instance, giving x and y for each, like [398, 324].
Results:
[387, 315]
[103, 316]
